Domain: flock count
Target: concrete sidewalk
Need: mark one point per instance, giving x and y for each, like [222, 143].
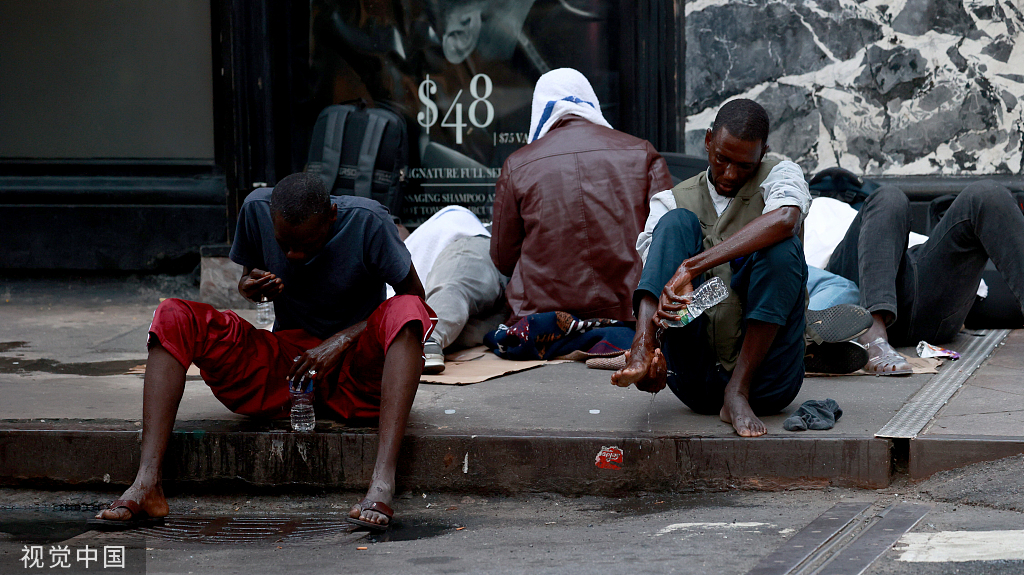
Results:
[72, 408]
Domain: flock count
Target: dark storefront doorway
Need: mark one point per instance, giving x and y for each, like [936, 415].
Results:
[107, 153]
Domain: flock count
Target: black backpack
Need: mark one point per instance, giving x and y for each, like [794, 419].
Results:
[360, 151]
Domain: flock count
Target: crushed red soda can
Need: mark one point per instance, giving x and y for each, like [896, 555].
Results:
[925, 349]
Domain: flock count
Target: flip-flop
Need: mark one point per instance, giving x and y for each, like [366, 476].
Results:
[379, 507]
[888, 358]
[838, 323]
[139, 518]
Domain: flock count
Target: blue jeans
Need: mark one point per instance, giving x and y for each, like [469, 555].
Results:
[827, 289]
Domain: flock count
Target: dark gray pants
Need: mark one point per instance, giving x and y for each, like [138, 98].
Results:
[930, 288]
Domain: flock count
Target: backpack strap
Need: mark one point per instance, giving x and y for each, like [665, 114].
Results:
[368, 155]
[333, 137]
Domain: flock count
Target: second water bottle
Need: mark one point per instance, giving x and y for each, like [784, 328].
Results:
[301, 390]
[710, 293]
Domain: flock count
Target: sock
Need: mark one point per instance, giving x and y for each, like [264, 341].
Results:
[814, 414]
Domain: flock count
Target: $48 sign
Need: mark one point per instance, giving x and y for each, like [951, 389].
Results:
[480, 88]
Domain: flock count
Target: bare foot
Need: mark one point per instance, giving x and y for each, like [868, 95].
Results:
[637, 365]
[379, 492]
[648, 372]
[151, 499]
[737, 411]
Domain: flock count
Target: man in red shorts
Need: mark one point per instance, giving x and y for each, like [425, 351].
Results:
[323, 261]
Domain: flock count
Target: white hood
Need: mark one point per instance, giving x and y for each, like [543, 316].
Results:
[559, 93]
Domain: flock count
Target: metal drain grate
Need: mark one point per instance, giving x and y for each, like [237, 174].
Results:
[247, 529]
[916, 414]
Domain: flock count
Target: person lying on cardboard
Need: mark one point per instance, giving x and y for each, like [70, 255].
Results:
[923, 289]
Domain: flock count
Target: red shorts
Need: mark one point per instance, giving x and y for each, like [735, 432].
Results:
[247, 368]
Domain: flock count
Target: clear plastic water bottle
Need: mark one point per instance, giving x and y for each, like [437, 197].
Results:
[710, 293]
[265, 311]
[303, 418]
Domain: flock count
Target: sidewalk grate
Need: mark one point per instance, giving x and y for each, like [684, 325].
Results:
[242, 530]
[915, 415]
[228, 530]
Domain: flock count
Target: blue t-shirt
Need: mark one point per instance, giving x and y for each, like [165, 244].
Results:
[342, 284]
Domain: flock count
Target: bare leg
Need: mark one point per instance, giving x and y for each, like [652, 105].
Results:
[877, 329]
[645, 365]
[736, 405]
[401, 377]
[161, 393]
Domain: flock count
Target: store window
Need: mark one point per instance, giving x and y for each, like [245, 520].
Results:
[461, 73]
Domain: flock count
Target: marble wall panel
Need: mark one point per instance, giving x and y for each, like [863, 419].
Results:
[896, 87]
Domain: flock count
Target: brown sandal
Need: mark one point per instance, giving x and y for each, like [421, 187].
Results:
[138, 519]
[379, 507]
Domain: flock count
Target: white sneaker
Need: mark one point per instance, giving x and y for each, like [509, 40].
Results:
[433, 356]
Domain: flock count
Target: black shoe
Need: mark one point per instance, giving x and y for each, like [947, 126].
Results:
[838, 323]
[839, 358]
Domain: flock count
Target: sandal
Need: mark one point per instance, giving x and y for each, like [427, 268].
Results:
[379, 507]
[138, 519]
[613, 363]
[885, 360]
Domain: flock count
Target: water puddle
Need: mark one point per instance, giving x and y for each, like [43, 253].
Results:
[411, 531]
[96, 368]
[657, 503]
[42, 527]
[6, 346]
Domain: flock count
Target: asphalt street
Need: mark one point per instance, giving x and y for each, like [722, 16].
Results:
[713, 532]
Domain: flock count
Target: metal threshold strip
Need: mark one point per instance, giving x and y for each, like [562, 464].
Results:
[795, 552]
[915, 415]
[845, 540]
